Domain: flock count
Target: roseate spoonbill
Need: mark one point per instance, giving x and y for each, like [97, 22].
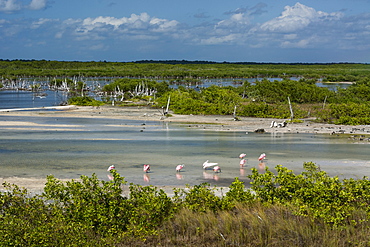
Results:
[242, 162]
[262, 157]
[111, 168]
[208, 165]
[146, 168]
[241, 156]
[217, 169]
[179, 167]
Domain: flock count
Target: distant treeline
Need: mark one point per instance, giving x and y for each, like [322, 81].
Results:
[185, 62]
[182, 69]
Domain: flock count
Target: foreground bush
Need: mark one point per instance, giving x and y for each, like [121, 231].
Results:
[281, 208]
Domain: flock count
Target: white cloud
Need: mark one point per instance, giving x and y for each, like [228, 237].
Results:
[299, 44]
[233, 30]
[98, 47]
[59, 35]
[219, 40]
[163, 25]
[141, 25]
[37, 4]
[297, 17]
[235, 20]
[40, 22]
[2, 21]
[9, 6]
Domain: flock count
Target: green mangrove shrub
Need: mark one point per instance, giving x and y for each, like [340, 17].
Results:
[312, 193]
[84, 101]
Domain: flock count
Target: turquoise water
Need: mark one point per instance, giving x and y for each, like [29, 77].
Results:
[70, 147]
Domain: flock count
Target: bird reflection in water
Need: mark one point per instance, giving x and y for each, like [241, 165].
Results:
[262, 167]
[242, 172]
[178, 176]
[146, 178]
[210, 176]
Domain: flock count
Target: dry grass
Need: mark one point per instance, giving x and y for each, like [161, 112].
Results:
[255, 225]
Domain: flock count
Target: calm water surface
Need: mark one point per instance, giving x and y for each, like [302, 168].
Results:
[10, 99]
[70, 147]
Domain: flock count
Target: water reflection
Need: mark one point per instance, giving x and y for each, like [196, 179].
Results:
[242, 172]
[146, 178]
[262, 167]
[210, 176]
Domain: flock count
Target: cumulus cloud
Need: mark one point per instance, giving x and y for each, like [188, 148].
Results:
[141, 25]
[258, 9]
[232, 30]
[41, 21]
[11, 6]
[219, 40]
[297, 17]
[37, 4]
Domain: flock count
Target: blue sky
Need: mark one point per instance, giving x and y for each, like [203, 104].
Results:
[212, 30]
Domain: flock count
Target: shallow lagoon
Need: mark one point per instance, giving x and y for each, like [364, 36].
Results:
[70, 147]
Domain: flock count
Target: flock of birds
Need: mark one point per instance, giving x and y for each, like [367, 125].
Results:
[206, 165]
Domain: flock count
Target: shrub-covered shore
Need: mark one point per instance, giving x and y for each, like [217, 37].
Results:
[281, 208]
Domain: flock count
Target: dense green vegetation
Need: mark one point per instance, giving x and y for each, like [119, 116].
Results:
[84, 101]
[270, 99]
[181, 70]
[281, 208]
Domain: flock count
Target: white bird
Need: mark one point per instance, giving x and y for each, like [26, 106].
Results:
[146, 168]
[241, 156]
[217, 169]
[179, 167]
[111, 168]
[207, 164]
[262, 157]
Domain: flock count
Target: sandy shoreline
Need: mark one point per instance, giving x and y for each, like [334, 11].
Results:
[220, 123]
[215, 123]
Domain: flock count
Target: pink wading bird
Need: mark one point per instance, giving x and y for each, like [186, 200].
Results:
[262, 157]
[111, 168]
[241, 156]
[179, 167]
[146, 168]
[217, 169]
[242, 163]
